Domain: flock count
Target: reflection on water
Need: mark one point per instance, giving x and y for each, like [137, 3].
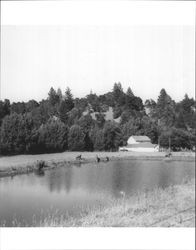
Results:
[74, 187]
[59, 180]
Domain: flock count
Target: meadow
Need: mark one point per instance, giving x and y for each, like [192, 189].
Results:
[20, 164]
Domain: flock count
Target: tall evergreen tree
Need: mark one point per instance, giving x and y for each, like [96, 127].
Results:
[117, 90]
[165, 109]
[60, 95]
[66, 105]
[130, 92]
[63, 112]
[53, 97]
[69, 99]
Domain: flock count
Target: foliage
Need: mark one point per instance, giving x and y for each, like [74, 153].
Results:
[73, 116]
[100, 120]
[53, 136]
[53, 97]
[42, 113]
[76, 139]
[165, 109]
[150, 129]
[112, 136]
[18, 108]
[69, 99]
[150, 107]
[176, 138]
[62, 122]
[99, 140]
[130, 92]
[66, 105]
[16, 135]
[133, 103]
[93, 100]
[63, 112]
[31, 105]
[86, 123]
[4, 109]
[60, 95]
[187, 115]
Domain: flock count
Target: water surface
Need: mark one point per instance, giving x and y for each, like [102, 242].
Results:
[70, 189]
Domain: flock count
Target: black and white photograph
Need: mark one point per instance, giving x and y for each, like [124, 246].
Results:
[98, 115]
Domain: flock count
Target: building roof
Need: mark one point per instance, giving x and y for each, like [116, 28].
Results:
[141, 138]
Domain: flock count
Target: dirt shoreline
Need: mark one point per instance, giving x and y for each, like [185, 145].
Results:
[23, 164]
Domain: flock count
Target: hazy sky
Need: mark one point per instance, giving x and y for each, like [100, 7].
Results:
[94, 57]
[84, 58]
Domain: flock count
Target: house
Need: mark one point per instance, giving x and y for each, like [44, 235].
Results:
[139, 144]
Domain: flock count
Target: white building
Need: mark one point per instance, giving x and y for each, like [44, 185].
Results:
[139, 144]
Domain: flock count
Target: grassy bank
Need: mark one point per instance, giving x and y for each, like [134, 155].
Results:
[20, 164]
[170, 207]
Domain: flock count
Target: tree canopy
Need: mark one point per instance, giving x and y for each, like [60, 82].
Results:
[61, 122]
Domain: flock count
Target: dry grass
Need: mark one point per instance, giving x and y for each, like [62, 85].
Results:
[170, 207]
[8, 163]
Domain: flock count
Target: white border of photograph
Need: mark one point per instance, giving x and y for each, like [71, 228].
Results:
[97, 238]
[95, 12]
[89, 13]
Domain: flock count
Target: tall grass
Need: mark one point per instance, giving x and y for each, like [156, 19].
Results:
[173, 206]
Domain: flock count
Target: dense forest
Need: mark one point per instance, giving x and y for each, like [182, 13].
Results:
[105, 122]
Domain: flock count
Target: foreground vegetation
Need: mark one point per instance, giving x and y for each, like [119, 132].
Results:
[170, 207]
[94, 123]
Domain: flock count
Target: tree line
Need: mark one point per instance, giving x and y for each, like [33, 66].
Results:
[61, 122]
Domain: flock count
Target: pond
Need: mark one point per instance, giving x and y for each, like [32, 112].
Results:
[70, 189]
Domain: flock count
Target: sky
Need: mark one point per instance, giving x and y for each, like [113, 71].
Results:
[145, 57]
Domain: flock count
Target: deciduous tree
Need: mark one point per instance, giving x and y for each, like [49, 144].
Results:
[76, 139]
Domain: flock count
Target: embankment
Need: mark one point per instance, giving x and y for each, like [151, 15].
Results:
[170, 207]
[21, 164]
